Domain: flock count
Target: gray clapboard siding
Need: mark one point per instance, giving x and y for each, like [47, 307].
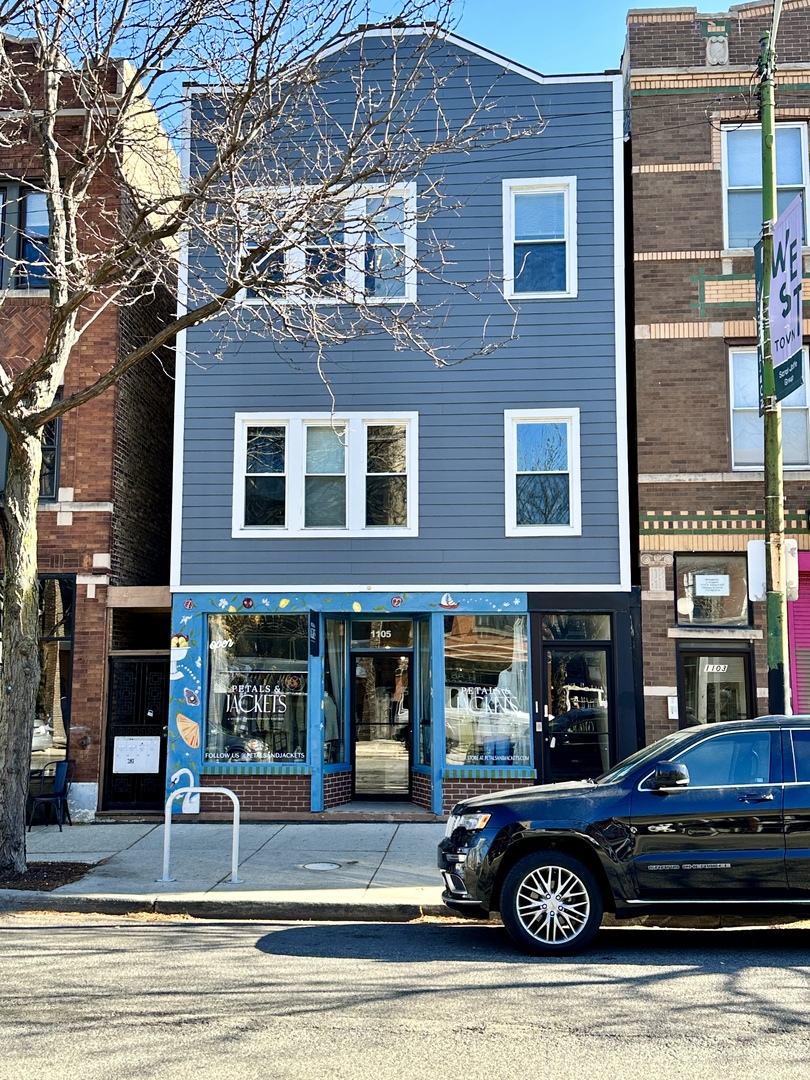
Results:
[564, 356]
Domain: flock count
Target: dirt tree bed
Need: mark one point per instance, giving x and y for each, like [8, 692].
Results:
[44, 876]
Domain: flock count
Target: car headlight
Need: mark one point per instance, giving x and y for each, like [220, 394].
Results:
[471, 822]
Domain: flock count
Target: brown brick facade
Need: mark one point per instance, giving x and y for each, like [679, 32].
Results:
[259, 794]
[337, 789]
[422, 790]
[456, 790]
[109, 524]
[693, 303]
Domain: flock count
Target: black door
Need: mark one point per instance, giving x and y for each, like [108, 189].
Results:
[137, 718]
[382, 725]
[721, 836]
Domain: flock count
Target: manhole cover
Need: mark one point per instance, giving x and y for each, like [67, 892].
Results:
[322, 866]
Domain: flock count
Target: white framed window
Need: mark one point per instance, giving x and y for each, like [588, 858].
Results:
[319, 474]
[543, 496]
[747, 451]
[540, 238]
[742, 179]
[369, 254]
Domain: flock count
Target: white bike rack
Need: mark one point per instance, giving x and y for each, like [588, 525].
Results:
[167, 829]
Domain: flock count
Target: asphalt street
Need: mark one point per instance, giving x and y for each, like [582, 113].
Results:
[102, 998]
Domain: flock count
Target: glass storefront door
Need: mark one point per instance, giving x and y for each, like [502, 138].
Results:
[576, 713]
[715, 686]
[382, 714]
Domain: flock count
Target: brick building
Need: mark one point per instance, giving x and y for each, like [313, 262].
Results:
[104, 510]
[696, 212]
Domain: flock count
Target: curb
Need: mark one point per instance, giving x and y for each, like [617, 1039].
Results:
[222, 908]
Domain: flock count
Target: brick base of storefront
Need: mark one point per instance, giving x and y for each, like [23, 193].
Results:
[422, 790]
[456, 790]
[259, 794]
[337, 789]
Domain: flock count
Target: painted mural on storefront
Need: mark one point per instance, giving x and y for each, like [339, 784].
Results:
[400, 690]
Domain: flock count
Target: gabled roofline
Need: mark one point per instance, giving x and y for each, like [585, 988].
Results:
[448, 36]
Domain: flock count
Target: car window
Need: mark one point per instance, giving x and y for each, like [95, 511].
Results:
[738, 758]
[801, 755]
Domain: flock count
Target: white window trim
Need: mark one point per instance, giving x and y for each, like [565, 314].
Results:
[731, 410]
[355, 244]
[295, 425]
[570, 417]
[568, 186]
[724, 133]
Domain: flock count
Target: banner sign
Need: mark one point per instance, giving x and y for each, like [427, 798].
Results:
[785, 307]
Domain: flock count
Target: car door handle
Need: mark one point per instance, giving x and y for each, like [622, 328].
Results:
[757, 798]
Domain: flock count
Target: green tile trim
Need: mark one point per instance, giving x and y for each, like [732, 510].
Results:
[256, 770]
[484, 772]
[743, 521]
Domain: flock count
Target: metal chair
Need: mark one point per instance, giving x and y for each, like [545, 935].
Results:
[57, 799]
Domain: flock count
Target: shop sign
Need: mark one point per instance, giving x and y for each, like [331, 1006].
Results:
[136, 755]
[784, 302]
[314, 634]
[712, 584]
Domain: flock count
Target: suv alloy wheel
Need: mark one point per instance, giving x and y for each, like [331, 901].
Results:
[551, 903]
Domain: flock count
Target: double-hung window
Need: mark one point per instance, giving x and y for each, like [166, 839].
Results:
[742, 179]
[34, 230]
[539, 238]
[746, 423]
[24, 233]
[325, 475]
[542, 472]
[365, 252]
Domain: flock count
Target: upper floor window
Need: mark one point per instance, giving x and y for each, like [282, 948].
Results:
[742, 178]
[322, 475]
[24, 232]
[712, 590]
[542, 472]
[539, 237]
[49, 474]
[34, 229]
[747, 446]
[366, 252]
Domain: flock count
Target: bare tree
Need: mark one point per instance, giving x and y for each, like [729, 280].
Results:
[299, 194]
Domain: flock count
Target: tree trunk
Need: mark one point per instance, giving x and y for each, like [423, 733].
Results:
[20, 643]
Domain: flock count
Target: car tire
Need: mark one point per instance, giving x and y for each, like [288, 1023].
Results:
[551, 904]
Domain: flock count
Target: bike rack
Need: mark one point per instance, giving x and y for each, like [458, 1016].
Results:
[167, 826]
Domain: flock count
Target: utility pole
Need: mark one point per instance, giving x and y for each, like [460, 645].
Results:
[776, 609]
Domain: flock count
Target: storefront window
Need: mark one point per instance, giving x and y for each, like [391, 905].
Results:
[334, 695]
[712, 590]
[257, 691]
[715, 687]
[52, 721]
[486, 690]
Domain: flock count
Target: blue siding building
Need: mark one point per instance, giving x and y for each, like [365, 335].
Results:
[401, 579]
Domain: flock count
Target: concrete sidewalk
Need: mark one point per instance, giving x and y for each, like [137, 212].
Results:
[341, 870]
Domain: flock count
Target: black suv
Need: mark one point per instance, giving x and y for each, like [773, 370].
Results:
[708, 819]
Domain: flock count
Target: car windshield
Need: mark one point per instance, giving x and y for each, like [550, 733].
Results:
[656, 751]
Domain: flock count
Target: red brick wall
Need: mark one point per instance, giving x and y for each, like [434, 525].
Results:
[456, 790]
[268, 794]
[337, 789]
[422, 790]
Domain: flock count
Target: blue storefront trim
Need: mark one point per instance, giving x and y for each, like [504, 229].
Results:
[189, 678]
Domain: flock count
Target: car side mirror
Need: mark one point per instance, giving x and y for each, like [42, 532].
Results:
[669, 774]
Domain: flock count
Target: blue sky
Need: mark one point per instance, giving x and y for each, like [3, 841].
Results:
[557, 36]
